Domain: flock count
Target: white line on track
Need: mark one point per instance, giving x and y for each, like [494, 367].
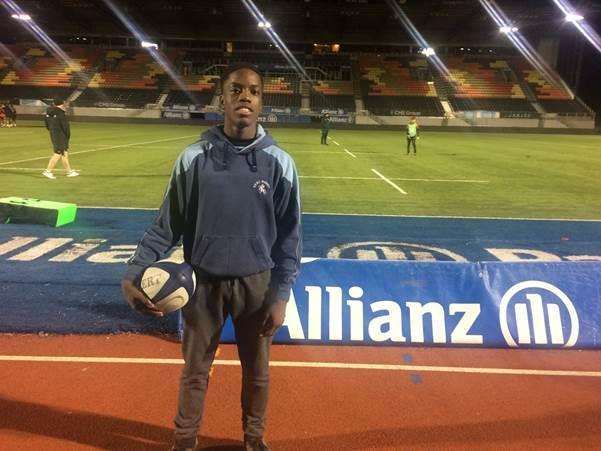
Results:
[99, 149]
[391, 183]
[334, 142]
[298, 364]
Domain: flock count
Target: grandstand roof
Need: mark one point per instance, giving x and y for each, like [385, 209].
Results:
[349, 21]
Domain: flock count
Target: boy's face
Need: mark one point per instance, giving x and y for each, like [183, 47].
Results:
[242, 98]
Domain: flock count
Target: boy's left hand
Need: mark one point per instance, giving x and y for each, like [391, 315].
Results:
[274, 318]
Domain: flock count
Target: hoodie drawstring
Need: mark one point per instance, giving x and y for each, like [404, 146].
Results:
[224, 158]
[253, 166]
[253, 163]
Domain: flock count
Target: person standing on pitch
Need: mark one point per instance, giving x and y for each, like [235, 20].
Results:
[11, 114]
[412, 134]
[325, 128]
[60, 133]
[234, 200]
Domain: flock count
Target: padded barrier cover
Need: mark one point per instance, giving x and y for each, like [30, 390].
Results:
[36, 211]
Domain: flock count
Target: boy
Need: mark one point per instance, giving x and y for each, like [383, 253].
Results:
[234, 198]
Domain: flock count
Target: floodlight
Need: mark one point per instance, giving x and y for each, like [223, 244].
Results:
[429, 51]
[573, 17]
[147, 44]
[24, 17]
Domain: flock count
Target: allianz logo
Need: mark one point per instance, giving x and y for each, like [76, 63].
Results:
[538, 313]
[531, 314]
[396, 250]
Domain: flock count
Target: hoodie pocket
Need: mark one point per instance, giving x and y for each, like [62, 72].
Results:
[235, 256]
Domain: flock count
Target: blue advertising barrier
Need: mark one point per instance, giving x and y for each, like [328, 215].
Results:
[539, 305]
[67, 280]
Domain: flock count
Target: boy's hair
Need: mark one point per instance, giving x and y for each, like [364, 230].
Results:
[237, 66]
[58, 102]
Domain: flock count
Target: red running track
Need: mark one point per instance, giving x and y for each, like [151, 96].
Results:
[430, 398]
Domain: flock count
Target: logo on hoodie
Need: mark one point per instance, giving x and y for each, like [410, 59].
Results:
[261, 186]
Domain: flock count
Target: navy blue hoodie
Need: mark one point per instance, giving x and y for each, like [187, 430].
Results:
[237, 211]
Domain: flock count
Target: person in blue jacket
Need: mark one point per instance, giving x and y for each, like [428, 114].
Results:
[234, 201]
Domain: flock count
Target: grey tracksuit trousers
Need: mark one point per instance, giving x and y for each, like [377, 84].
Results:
[244, 298]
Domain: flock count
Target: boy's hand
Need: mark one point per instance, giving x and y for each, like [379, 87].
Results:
[274, 318]
[138, 300]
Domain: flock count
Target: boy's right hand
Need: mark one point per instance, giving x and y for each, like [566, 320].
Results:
[138, 300]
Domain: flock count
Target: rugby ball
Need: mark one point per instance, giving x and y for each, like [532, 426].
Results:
[169, 285]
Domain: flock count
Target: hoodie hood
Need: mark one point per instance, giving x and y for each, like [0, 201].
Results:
[220, 147]
[218, 139]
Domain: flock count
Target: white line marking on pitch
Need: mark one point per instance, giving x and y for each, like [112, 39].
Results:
[33, 169]
[345, 149]
[100, 149]
[334, 177]
[441, 180]
[394, 185]
[325, 177]
[349, 152]
[297, 364]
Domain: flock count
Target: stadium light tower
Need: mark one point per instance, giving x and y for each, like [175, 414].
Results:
[37, 32]
[572, 16]
[523, 46]
[275, 39]
[419, 39]
[151, 47]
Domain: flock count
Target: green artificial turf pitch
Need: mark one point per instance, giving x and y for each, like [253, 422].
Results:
[368, 172]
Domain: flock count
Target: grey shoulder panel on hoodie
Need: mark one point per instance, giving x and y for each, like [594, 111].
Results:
[284, 160]
[188, 155]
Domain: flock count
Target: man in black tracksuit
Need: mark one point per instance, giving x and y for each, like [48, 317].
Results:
[60, 134]
[325, 128]
[234, 199]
